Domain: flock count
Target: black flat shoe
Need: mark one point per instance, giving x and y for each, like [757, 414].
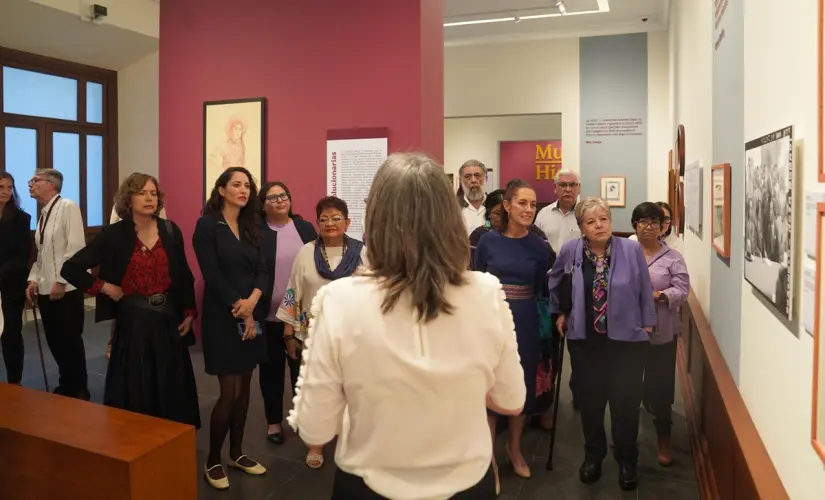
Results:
[590, 472]
[276, 438]
[628, 477]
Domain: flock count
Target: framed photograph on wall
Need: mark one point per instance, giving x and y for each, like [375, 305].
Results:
[818, 406]
[613, 190]
[769, 189]
[234, 135]
[720, 209]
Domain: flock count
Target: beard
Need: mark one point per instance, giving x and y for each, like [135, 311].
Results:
[475, 194]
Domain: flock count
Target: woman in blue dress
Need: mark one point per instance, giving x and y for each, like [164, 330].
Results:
[520, 260]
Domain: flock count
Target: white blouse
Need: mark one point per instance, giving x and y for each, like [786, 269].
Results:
[408, 399]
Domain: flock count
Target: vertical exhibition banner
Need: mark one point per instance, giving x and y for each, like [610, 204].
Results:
[351, 166]
[533, 161]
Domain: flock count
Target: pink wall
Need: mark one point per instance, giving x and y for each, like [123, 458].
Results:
[321, 64]
[533, 161]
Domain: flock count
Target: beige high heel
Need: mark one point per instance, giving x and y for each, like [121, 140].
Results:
[522, 471]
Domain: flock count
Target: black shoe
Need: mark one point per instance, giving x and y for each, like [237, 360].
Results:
[276, 437]
[628, 477]
[590, 472]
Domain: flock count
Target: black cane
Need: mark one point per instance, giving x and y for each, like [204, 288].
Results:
[556, 404]
[39, 344]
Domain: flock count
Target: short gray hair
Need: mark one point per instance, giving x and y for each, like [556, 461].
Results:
[53, 176]
[590, 203]
[472, 163]
[563, 172]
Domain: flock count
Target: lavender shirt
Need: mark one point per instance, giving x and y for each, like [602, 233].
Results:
[289, 242]
[669, 275]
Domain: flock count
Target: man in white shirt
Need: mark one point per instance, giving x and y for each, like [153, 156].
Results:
[472, 176]
[558, 220]
[58, 236]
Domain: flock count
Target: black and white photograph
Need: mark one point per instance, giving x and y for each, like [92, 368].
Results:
[769, 218]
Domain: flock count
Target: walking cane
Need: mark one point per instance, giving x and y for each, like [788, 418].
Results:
[557, 384]
[40, 344]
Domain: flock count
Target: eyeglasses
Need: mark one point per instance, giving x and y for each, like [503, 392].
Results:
[35, 180]
[649, 223]
[667, 220]
[476, 175]
[565, 185]
[335, 219]
[275, 198]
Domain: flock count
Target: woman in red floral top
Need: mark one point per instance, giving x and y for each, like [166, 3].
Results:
[145, 284]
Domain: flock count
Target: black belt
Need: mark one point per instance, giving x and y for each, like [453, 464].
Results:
[159, 302]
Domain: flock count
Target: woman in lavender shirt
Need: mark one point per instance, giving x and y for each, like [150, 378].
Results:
[671, 285]
[282, 235]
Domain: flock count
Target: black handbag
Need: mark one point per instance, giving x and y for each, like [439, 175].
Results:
[564, 292]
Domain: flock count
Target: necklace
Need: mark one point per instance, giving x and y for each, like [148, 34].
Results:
[324, 252]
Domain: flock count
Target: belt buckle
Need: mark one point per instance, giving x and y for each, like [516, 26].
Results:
[157, 300]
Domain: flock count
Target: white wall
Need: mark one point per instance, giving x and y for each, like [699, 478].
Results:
[542, 76]
[137, 102]
[776, 365]
[141, 16]
[690, 28]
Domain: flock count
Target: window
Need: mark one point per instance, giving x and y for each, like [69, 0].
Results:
[61, 115]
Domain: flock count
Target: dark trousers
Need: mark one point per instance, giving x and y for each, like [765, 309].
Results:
[660, 383]
[609, 371]
[63, 326]
[12, 339]
[271, 374]
[351, 487]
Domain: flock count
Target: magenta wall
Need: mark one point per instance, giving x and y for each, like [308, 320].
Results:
[321, 64]
[533, 161]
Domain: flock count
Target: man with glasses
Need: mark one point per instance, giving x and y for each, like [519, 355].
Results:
[473, 177]
[59, 235]
[557, 220]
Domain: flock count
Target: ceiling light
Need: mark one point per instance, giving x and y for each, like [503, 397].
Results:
[603, 7]
[561, 7]
[481, 21]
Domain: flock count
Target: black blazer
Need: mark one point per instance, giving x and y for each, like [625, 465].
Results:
[112, 250]
[16, 238]
[269, 244]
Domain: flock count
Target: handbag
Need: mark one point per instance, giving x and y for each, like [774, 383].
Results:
[564, 292]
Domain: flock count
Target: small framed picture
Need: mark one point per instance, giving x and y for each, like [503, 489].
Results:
[613, 190]
[720, 208]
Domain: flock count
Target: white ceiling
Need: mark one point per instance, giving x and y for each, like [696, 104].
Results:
[624, 16]
[38, 29]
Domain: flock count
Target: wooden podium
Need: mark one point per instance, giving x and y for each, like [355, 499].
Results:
[53, 447]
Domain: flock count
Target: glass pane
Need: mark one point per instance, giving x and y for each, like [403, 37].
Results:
[66, 159]
[94, 180]
[38, 94]
[21, 163]
[94, 103]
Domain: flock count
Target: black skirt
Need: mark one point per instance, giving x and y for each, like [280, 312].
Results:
[150, 371]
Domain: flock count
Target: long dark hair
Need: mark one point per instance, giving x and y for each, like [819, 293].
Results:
[664, 205]
[265, 189]
[249, 218]
[11, 208]
[512, 188]
[493, 200]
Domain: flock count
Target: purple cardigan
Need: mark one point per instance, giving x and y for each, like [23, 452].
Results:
[630, 306]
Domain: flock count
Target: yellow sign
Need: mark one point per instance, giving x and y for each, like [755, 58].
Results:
[548, 161]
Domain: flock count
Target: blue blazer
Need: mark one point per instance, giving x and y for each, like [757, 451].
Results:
[630, 306]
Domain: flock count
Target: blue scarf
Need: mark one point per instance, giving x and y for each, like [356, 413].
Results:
[349, 262]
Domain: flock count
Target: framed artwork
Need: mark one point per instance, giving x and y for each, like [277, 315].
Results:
[818, 407]
[720, 208]
[234, 135]
[769, 252]
[680, 150]
[452, 179]
[613, 190]
[820, 90]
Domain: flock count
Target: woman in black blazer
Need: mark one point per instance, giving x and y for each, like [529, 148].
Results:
[146, 286]
[277, 218]
[15, 233]
[227, 242]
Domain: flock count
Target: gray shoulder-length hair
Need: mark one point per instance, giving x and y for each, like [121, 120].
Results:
[590, 203]
[416, 238]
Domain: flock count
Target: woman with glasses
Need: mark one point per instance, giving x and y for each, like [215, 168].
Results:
[668, 236]
[671, 285]
[332, 256]
[282, 235]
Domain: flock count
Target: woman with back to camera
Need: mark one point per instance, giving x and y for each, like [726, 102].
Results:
[520, 260]
[608, 332]
[227, 242]
[282, 236]
[15, 233]
[146, 286]
[332, 256]
[418, 336]
[671, 285]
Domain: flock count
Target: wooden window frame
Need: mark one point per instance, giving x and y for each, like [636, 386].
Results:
[108, 129]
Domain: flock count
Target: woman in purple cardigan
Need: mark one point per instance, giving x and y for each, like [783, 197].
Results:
[605, 282]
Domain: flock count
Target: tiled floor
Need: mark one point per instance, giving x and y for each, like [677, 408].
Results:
[289, 479]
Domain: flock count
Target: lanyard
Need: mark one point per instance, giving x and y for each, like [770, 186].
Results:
[45, 221]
